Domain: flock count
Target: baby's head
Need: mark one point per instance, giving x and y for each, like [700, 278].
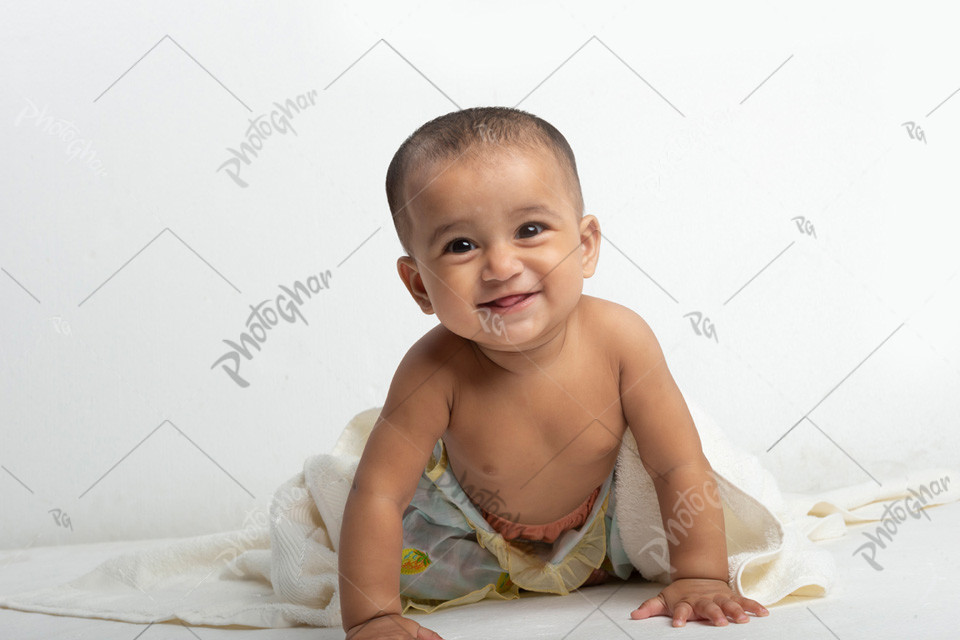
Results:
[487, 205]
[475, 134]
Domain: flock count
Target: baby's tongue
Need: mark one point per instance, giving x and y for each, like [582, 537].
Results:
[508, 300]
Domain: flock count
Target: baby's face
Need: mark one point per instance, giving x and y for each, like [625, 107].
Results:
[498, 247]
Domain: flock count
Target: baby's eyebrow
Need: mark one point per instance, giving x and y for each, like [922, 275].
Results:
[442, 229]
[540, 209]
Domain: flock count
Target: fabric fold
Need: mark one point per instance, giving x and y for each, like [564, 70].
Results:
[281, 570]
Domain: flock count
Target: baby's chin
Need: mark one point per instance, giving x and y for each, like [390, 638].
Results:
[511, 337]
[494, 335]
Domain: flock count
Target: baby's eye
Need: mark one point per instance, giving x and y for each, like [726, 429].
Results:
[462, 244]
[531, 225]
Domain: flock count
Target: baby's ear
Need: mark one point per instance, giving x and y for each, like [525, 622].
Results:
[590, 242]
[410, 274]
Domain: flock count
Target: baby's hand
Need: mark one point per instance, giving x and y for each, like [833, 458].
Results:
[696, 599]
[390, 627]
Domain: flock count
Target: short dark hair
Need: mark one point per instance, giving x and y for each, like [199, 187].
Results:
[452, 134]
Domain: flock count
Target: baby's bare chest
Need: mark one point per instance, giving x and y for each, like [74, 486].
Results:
[570, 419]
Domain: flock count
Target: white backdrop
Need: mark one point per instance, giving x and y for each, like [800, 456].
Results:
[776, 188]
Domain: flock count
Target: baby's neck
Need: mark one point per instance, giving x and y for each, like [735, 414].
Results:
[546, 353]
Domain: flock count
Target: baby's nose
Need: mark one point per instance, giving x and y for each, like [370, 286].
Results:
[502, 262]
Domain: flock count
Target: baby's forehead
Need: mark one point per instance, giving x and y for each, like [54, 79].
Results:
[481, 157]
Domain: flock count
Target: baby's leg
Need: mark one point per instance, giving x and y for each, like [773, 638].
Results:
[441, 558]
[599, 576]
[616, 565]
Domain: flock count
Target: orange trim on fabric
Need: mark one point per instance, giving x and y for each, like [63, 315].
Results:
[548, 532]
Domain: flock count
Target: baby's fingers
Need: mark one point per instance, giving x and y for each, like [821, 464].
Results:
[427, 634]
[704, 608]
[681, 613]
[734, 611]
[753, 606]
[652, 607]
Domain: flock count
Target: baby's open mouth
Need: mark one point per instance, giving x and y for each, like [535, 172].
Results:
[507, 301]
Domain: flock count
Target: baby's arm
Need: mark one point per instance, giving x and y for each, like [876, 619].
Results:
[687, 491]
[414, 416]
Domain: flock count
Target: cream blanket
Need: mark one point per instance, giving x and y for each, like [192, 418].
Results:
[280, 570]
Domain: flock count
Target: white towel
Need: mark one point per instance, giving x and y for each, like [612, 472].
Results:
[281, 571]
[770, 536]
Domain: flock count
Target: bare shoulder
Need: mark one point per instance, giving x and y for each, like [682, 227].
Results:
[415, 414]
[421, 392]
[437, 353]
[620, 329]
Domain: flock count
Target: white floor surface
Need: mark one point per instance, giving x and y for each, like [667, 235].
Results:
[915, 595]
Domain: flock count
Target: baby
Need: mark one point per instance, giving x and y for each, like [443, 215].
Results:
[490, 466]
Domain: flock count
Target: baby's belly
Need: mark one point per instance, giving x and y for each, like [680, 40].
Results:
[533, 486]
